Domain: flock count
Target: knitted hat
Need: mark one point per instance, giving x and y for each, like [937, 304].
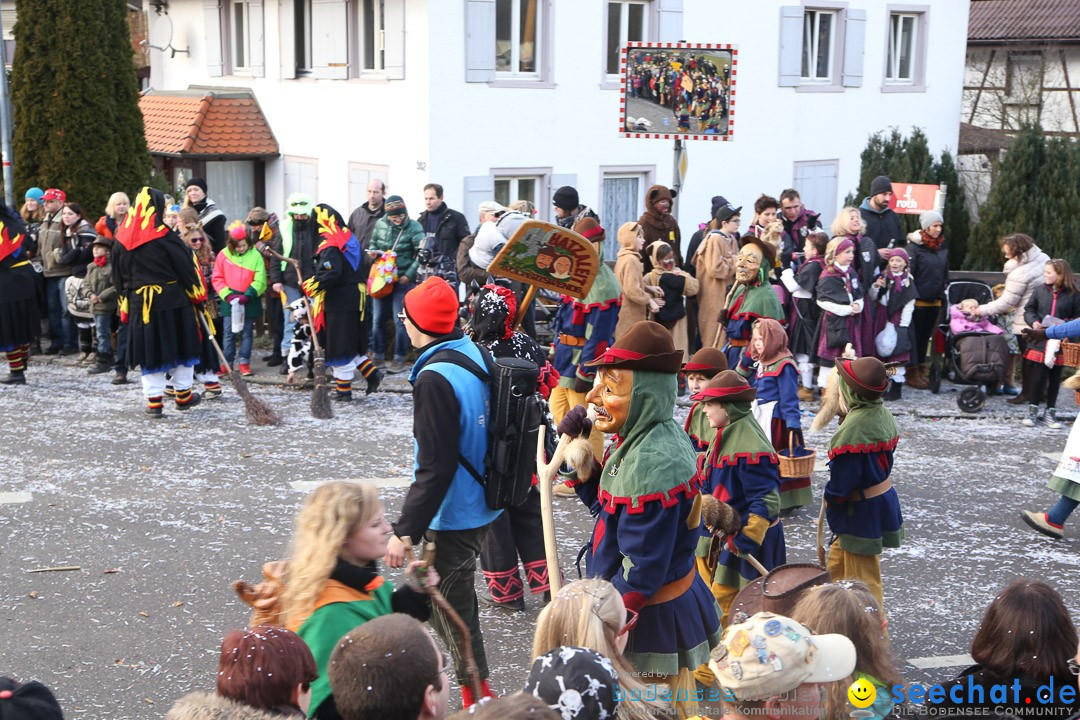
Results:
[197, 182]
[728, 387]
[27, 700]
[718, 202]
[575, 682]
[770, 655]
[897, 252]
[34, 193]
[866, 376]
[708, 361]
[395, 205]
[647, 345]
[589, 229]
[565, 198]
[432, 307]
[54, 194]
[767, 249]
[880, 184]
[927, 219]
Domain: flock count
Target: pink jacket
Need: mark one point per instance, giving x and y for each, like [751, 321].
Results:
[962, 324]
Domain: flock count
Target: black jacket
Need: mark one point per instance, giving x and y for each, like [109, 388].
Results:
[79, 250]
[1042, 304]
[451, 229]
[303, 249]
[1029, 687]
[362, 222]
[930, 268]
[884, 227]
[213, 222]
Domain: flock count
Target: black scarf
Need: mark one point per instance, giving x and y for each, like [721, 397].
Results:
[357, 577]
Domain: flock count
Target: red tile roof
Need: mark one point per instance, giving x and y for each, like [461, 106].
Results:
[1003, 20]
[206, 124]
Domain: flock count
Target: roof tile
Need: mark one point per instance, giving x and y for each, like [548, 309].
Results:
[1024, 20]
[205, 125]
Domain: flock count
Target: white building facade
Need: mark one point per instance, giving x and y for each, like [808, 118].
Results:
[513, 98]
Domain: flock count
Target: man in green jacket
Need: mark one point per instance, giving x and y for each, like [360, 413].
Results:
[396, 233]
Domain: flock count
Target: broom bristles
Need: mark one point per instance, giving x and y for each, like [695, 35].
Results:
[257, 411]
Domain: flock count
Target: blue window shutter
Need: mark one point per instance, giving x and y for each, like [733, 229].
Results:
[854, 44]
[671, 21]
[215, 64]
[479, 40]
[478, 188]
[791, 32]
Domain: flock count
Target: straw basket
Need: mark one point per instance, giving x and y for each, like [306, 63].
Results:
[796, 466]
[1070, 353]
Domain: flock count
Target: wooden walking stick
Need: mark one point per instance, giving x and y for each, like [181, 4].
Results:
[320, 396]
[472, 670]
[258, 412]
[545, 475]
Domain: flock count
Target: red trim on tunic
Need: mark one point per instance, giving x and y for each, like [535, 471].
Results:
[750, 458]
[783, 363]
[1039, 356]
[668, 498]
[864, 448]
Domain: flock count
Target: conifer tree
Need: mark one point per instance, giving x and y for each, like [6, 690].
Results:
[75, 93]
[957, 220]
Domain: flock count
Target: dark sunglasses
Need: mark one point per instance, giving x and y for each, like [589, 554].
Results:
[256, 223]
[196, 241]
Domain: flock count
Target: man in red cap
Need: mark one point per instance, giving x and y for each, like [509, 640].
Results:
[446, 501]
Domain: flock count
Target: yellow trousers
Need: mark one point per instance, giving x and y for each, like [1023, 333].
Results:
[844, 565]
[683, 688]
[563, 400]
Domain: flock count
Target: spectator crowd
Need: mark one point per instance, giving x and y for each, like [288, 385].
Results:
[753, 325]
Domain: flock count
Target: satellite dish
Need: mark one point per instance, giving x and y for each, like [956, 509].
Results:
[161, 32]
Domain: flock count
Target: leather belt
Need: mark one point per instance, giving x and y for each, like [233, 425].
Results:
[738, 343]
[571, 340]
[672, 590]
[880, 489]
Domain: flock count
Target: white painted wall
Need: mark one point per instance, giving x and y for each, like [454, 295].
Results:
[458, 129]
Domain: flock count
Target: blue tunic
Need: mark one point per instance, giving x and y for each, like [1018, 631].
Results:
[863, 526]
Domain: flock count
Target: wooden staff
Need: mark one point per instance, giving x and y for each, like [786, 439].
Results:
[524, 306]
[464, 636]
[721, 331]
[545, 474]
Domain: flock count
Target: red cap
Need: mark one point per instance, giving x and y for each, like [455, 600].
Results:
[432, 306]
[54, 194]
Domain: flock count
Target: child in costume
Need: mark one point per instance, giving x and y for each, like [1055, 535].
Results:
[646, 505]
[752, 297]
[700, 369]
[636, 297]
[19, 324]
[894, 294]
[742, 470]
[338, 296]
[839, 295]
[332, 582]
[300, 348]
[861, 504]
[770, 368]
[239, 280]
[805, 313]
[675, 284]
[1066, 478]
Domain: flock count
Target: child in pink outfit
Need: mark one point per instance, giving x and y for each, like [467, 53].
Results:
[961, 319]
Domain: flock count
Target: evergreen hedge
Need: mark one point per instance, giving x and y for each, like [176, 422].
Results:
[75, 94]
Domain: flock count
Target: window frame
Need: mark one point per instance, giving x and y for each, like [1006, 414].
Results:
[357, 46]
[645, 173]
[919, 51]
[305, 66]
[836, 83]
[542, 176]
[610, 81]
[543, 76]
[229, 31]
[835, 15]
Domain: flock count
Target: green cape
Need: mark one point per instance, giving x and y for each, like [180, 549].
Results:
[742, 437]
[758, 300]
[605, 288]
[868, 427]
[654, 460]
[698, 425]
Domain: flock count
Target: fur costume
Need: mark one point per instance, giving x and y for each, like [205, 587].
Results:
[630, 272]
[658, 226]
[211, 706]
[300, 350]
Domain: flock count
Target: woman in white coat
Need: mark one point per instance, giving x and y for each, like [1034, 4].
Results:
[1024, 263]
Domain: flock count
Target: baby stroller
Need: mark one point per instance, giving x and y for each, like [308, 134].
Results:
[975, 359]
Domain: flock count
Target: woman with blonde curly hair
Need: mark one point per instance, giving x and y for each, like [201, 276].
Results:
[848, 608]
[333, 583]
[590, 614]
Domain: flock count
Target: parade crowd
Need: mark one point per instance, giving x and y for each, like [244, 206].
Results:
[689, 597]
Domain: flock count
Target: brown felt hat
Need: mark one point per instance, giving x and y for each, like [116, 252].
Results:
[647, 345]
[778, 592]
[866, 376]
[589, 229]
[767, 249]
[728, 387]
[707, 361]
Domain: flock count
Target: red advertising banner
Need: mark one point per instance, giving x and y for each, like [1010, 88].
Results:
[911, 199]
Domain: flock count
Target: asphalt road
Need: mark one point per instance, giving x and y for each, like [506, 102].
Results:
[160, 518]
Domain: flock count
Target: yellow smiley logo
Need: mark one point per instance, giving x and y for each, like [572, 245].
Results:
[861, 693]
